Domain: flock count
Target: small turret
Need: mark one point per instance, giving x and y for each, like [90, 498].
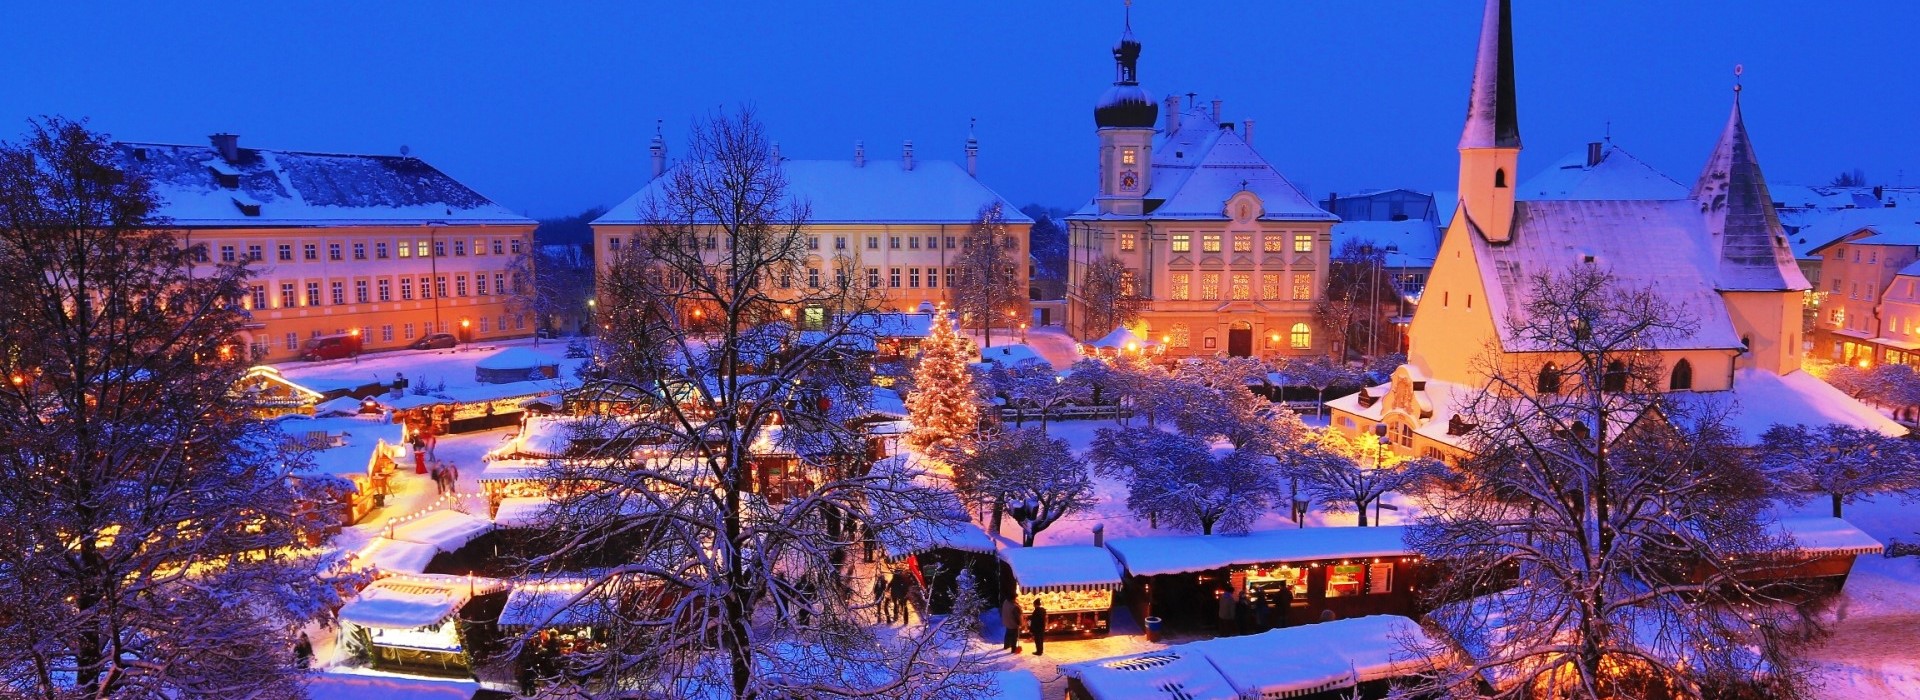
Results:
[659, 151]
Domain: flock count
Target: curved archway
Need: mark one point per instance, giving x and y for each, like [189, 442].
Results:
[1500, 178]
[1549, 380]
[1682, 378]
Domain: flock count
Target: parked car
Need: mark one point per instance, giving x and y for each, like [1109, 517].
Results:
[331, 347]
[434, 341]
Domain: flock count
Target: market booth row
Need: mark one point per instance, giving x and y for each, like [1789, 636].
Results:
[353, 457]
[469, 409]
[1822, 556]
[1076, 583]
[1351, 571]
[1360, 657]
[412, 623]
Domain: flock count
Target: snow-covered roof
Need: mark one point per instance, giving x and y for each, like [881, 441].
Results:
[1018, 684]
[1764, 399]
[1439, 400]
[350, 442]
[1816, 229]
[296, 188]
[557, 602]
[397, 556]
[337, 685]
[1198, 168]
[516, 358]
[1280, 663]
[1410, 243]
[410, 602]
[1119, 339]
[1815, 534]
[880, 192]
[1178, 554]
[1062, 568]
[340, 406]
[1793, 198]
[1733, 199]
[1617, 236]
[1010, 355]
[1618, 175]
[476, 393]
[447, 530]
[888, 324]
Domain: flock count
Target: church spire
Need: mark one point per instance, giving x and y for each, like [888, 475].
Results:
[1733, 194]
[1493, 119]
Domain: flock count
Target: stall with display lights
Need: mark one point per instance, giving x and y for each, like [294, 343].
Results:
[1076, 583]
[1295, 575]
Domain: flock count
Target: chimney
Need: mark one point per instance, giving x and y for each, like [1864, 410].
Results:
[1246, 131]
[1173, 114]
[973, 154]
[1333, 200]
[228, 145]
[659, 150]
[859, 154]
[1216, 110]
[1099, 534]
[906, 156]
[1593, 154]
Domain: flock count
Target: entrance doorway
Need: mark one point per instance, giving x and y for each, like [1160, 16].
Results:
[1240, 339]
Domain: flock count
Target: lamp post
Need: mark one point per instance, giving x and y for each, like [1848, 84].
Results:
[1379, 455]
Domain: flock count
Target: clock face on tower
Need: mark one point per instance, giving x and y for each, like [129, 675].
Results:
[1129, 181]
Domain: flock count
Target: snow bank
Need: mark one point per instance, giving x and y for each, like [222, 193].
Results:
[344, 686]
[1159, 675]
[1154, 556]
[1015, 685]
[1062, 568]
[1764, 399]
[1280, 663]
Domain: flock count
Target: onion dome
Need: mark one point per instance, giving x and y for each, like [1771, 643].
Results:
[1126, 104]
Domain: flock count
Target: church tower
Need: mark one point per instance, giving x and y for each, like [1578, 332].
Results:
[1125, 116]
[1490, 144]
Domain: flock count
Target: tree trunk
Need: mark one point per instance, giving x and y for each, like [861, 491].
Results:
[1026, 534]
[1362, 511]
[999, 510]
[1206, 527]
[1836, 505]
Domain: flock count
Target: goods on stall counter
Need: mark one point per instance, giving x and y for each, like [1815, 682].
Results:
[1069, 601]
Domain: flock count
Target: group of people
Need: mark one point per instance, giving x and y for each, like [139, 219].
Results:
[1244, 612]
[446, 477]
[893, 596]
[1036, 626]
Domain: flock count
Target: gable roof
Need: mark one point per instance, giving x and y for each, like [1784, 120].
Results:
[1823, 229]
[1660, 244]
[879, 192]
[1199, 167]
[298, 188]
[1618, 175]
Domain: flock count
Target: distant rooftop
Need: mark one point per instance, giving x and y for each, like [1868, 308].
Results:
[1202, 165]
[878, 191]
[1616, 175]
[201, 186]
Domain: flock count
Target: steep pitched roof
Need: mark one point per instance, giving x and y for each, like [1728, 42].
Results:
[1198, 168]
[1661, 244]
[880, 192]
[1618, 175]
[1732, 192]
[1822, 229]
[296, 188]
[1493, 118]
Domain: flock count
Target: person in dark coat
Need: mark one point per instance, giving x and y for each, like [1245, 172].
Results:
[1242, 615]
[897, 595]
[1283, 607]
[303, 651]
[1010, 619]
[881, 611]
[1223, 614]
[1037, 626]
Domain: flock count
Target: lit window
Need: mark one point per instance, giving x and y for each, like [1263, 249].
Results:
[1344, 579]
[1273, 243]
[1181, 285]
[1302, 337]
[1209, 286]
[1126, 241]
[1178, 336]
[1270, 286]
[1128, 157]
[1303, 243]
[1242, 243]
[1302, 286]
[1242, 289]
[1210, 243]
[1182, 242]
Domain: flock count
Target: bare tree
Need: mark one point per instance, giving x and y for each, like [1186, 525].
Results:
[1112, 296]
[1631, 523]
[553, 282]
[1345, 475]
[1179, 478]
[1841, 461]
[749, 562]
[990, 290]
[1358, 304]
[147, 545]
[1035, 477]
[1033, 384]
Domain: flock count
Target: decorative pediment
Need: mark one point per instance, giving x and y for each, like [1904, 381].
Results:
[1243, 261]
[1180, 261]
[1273, 262]
[1303, 261]
[1243, 207]
[1212, 262]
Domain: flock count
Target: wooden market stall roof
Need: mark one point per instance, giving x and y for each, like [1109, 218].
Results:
[1154, 556]
[1280, 663]
[1821, 535]
[1062, 568]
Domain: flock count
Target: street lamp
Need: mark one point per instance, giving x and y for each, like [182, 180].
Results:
[466, 330]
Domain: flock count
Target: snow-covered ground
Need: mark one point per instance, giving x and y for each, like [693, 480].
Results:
[453, 366]
[1875, 648]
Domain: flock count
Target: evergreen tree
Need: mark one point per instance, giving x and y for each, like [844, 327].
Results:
[942, 406]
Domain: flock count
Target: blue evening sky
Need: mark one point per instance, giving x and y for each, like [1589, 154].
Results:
[547, 107]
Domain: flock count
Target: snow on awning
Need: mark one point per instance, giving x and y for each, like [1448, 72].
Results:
[345, 406]
[333, 685]
[398, 556]
[921, 535]
[411, 602]
[1169, 674]
[447, 530]
[1019, 684]
[1155, 556]
[410, 401]
[1062, 568]
[1832, 536]
[555, 603]
[516, 358]
[1281, 663]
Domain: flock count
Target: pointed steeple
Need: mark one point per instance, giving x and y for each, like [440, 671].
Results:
[1493, 119]
[1732, 193]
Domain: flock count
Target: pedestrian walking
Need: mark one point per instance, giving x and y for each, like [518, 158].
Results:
[1010, 619]
[439, 483]
[453, 478]
[881, 611]
[303, 651]
[1037, 626]
[897, 596]
[1225, 612]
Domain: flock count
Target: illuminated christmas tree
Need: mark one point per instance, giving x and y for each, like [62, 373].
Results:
[943, 406]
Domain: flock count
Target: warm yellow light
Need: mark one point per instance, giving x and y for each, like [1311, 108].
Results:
[787, 313]
[356, 332]
[18, 380]
[463, 324]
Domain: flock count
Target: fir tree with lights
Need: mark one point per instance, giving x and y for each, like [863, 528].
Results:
[943, 406]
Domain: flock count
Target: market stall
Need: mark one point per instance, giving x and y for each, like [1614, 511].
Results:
[466, 409]
[1076, 583]
[1818, 557]
[515, 365]
[356, 455]
[561, 615]
[266, 393]
[1351, 571]
[411, 623]
[1361, 657]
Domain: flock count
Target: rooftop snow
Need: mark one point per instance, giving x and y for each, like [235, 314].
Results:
[1198, 168]
[1155, 556]
[1010, 355]
[397, 556]
[1764, 399]
[516, 358]
[447, 530]
[412, 602]
[555, 603]
[1815, 534]
[1062, 567]
[1618, 175]
[880, 192]
[1410, 243]
[1018, 684]
[334, 685]
[1818, 228]
[1175, 673]
[359, 438]
[1279, 663]
[295, 188]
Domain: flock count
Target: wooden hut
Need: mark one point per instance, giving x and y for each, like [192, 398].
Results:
[411, 623]
[1351, 571]
[1076, 583]
[1360, 657]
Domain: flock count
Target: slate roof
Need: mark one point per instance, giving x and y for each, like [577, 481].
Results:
[880, 192]
[298, 188]
[1198, 168]
[1732, 193]
[1618, 175]
[1493, 119]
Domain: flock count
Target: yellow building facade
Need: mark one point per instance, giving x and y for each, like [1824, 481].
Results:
[387, 247]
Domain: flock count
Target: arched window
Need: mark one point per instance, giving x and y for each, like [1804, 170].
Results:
[1682, 376]
[1500, 178]
[1302, 337]
[1616, 379]
[1549, 379]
